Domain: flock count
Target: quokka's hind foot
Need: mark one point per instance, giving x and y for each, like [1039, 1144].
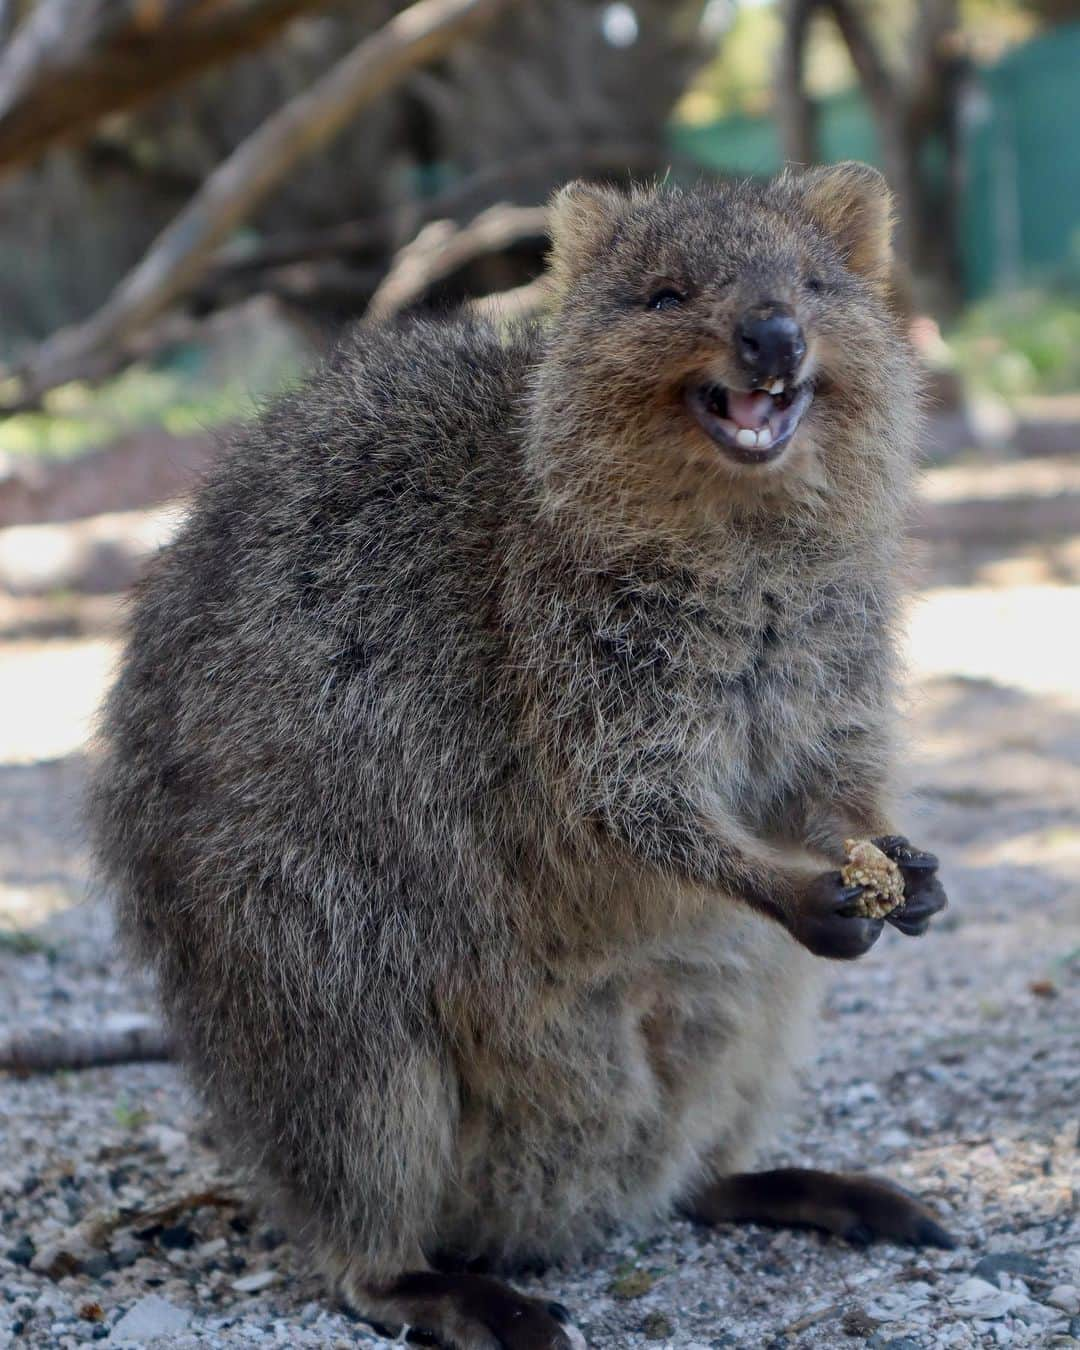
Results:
[464, 1312]
[856, 1208]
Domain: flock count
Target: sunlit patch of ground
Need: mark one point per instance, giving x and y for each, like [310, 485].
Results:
[1024, 637]
[51, 692]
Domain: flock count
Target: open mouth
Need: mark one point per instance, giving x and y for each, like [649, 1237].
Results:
[752, 425]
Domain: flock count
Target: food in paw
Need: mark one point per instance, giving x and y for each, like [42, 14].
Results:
[880, 878]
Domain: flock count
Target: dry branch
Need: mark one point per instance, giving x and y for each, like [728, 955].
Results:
[520, 302]
[182, 252]
[73, 62]
[442, 248]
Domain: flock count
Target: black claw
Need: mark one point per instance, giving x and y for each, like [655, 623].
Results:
[381, 1329]
[919, 862]
[848, 908]
[859, 1235]
[896, 847]
[417, 1336]
[909, 927]
[559, 1313]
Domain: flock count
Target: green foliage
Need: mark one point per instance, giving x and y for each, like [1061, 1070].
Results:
[129, 1115]
[739, 78]
[20, 943]
[1023, 342]
[194, 388]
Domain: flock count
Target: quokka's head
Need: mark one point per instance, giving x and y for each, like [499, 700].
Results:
[732, 334]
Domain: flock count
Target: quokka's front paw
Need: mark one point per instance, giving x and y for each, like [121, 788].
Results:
[826, 920]
[924, 895]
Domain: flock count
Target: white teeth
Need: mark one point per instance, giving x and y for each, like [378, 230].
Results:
[777, 387]
[750, 440]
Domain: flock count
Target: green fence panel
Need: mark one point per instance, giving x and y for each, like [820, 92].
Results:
[751, 145]
[1020, 212]
[1021, 218]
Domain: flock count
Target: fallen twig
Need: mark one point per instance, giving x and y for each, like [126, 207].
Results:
[811, 1319]
[49, 1050]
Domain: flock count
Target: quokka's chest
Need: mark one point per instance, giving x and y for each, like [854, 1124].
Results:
[764, 648]
[773, 692]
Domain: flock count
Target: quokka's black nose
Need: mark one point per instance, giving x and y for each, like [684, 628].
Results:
[770, 344]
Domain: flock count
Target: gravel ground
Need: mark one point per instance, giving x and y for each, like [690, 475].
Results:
[951, 1064]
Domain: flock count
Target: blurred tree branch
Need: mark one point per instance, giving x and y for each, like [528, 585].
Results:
[72, 62]
[180, 255]
[908, 105]
[141, 225]
[438, 251]
[442, 247]
[795, 110]
[503, 180]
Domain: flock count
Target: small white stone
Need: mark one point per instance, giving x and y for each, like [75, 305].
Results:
[251, 1284]
[166, 1140]
[746, 438]
[978, 1298]
[894, 1138]
[150, 1317]
[122, 1023]
[576, 1339]
[1066, 1297]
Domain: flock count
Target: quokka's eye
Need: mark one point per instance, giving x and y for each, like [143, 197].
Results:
[814, 284]
[667, 298]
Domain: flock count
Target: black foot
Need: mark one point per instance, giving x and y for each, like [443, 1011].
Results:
[466, 1312]
[858, 1209]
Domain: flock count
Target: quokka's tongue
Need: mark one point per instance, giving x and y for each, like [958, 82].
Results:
[749, 409]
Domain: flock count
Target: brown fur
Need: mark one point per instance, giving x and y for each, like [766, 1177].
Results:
[481, 740]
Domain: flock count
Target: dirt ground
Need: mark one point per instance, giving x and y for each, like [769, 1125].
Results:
[950, 1063]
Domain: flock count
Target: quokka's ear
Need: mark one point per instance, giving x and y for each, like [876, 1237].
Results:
[582, 220]
[851, 203]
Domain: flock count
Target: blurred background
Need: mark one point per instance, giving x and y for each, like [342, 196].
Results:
[198, 196]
